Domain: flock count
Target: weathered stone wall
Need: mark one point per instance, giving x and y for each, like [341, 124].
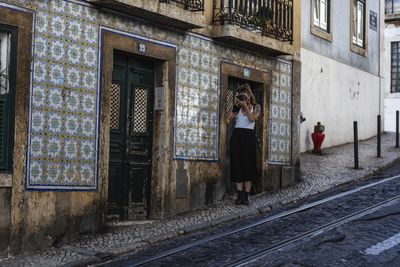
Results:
[5, 219]
[64, 189]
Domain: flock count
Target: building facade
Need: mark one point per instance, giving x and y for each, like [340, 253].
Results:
[341, 74]
[392, 63]
[116, 110]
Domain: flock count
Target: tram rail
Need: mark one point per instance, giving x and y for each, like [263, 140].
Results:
[263, 252]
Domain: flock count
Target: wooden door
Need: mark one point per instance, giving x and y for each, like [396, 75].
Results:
[131, 137]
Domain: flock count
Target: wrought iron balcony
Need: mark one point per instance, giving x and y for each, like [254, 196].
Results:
[272, 18]
[192, 5]
[174, 13]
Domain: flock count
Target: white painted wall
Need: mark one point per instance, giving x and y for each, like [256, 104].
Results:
[392, 100]
[336, 94]
[339, 47]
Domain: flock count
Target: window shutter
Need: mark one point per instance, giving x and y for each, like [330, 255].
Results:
[360, 22]
[355, 6]
[316, 12]
[324, 14]
[4, 132]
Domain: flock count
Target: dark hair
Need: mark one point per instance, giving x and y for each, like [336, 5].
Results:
[245, 88]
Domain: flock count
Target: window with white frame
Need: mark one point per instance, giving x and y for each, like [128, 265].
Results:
[395, 68]
[321, 14]
[359, 22]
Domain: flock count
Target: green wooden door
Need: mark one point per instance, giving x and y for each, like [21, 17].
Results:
[130, 137]
[4, 132]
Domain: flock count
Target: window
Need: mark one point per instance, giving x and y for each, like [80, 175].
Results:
[321, 14]
[6, 97]
[395, 68]
[320, 20]
[392, 6]
[358, 26]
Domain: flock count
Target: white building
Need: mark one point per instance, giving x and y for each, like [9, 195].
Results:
[391, 65]
[340, 77]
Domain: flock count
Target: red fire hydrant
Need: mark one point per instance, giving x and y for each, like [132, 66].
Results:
[318, 137]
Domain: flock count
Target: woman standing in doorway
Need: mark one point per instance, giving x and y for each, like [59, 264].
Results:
[243, 144]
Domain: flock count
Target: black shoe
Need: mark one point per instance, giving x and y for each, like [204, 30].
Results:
[239, 199]
[246, 198]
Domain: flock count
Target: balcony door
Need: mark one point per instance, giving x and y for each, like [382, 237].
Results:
[131, 137]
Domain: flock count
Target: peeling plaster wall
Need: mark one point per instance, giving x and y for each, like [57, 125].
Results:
[5, 218]
[336, 94]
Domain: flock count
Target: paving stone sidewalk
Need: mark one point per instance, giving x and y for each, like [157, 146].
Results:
[318, 173]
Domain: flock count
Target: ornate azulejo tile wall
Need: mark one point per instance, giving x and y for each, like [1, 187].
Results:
[196, 134]
[281, 113]
[63, 133]
[62, 151]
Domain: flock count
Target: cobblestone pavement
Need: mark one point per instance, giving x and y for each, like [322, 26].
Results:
[228, 249]
[318, 173]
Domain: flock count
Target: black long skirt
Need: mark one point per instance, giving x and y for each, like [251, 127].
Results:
[243, 152]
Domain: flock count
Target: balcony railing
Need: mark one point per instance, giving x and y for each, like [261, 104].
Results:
[192, 5]
[272, 18]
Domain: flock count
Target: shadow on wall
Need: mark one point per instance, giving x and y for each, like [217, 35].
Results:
[307, 142]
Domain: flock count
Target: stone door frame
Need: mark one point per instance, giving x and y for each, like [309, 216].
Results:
[164, 56]
[13, 182]
[229, 69]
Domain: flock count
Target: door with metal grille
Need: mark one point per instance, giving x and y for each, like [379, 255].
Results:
[130, 137]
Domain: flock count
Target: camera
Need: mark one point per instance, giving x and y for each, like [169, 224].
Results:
[241, 97]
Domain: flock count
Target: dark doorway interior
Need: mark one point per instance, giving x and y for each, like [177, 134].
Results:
[258, 91]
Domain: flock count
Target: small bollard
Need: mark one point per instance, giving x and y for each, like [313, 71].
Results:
[397, 129]
[378, 141]
[355, 145]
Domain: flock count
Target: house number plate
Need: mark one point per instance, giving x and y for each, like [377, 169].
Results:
[142, 48]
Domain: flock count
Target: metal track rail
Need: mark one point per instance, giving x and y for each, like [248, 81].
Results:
[262, 253]
[168, 253]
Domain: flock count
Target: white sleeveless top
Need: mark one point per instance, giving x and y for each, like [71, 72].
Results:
[242, 121]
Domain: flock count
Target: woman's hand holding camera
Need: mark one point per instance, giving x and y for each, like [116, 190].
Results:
[242, 100]
[243, 104]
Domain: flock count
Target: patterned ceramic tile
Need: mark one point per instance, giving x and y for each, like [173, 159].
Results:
[198, 91]
[63, 126]
[280, 123]
[198, 68]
